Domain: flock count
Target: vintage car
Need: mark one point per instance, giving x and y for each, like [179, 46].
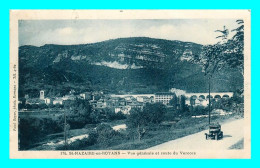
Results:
[214, 132]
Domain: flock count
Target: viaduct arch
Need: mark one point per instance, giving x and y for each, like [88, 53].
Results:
[212, 95]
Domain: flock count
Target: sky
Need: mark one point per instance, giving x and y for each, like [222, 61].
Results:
[67, 32]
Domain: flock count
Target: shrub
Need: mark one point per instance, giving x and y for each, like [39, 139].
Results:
[92, 138]
[142, 120]
[107, 136]
[199, 110]
[32, 130]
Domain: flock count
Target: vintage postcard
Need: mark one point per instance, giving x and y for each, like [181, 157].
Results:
[153, 84]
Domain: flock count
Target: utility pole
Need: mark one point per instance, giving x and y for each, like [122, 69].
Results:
[65, 129]
[209, 100]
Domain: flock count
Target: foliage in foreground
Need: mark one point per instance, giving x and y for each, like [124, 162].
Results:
[103, 136]
[140, 120]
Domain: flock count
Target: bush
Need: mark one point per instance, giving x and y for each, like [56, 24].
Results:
[199, 110]
[116, 116]
[120, 116]
[170, 115]
[142, 120]
[33, 130]
[77, 121]
[154, 113]
[234, 104]
[92, 138]
[107, 136]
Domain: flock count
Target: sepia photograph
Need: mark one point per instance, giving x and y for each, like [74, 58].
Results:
[130, 84]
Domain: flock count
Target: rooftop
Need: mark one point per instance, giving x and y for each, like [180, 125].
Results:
[164, 93]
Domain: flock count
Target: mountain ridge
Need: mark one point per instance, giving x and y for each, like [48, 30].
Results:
[136, 64]
[141, 37]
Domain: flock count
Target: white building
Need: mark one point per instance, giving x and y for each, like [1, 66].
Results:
[47, 100]
[144, 99]
[123, 109]
[163, 97]
[68, 97]
[86, 95]
[58, 101]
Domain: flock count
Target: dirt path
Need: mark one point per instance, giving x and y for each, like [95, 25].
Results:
[233, 132]
[119, 127]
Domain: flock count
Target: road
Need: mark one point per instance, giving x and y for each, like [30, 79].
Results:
[119, 127]
[233, 132]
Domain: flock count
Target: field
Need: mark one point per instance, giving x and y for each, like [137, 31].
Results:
[184, 127]
[157, 134]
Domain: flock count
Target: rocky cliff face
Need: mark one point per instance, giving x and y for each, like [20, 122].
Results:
[129, 52]
[120, 65]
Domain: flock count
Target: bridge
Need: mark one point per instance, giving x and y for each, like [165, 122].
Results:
[187, 95]
[212, 95]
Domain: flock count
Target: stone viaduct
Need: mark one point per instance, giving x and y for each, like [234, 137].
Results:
[212, 95]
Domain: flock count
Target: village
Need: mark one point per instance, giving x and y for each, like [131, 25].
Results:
[121, 103]
[133, 92]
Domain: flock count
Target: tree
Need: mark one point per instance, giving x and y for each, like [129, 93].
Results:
[154, 113]
[224, 34]
[212, 58]
[235, 48]
[79, 113]
[110, 115]
[106, 134]
[42, 106]
[182, 103]
[174, 101]
[192, 103]
[95, 116]
[226, 52]
[141, 120]
[137, 121]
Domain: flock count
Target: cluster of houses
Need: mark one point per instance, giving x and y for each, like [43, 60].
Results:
[119, 103]
[97, 100]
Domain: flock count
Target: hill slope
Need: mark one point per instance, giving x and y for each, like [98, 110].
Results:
[136, 65]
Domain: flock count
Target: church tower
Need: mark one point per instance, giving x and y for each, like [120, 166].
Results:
[42, 94]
